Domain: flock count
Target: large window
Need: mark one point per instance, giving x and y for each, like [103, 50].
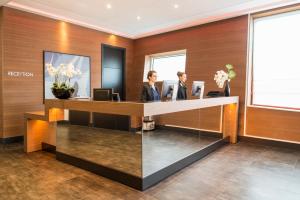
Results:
[276, 61]
[166, 64]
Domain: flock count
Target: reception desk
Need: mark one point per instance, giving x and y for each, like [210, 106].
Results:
[136, 158]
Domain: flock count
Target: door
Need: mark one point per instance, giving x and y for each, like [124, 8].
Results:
[113, 69]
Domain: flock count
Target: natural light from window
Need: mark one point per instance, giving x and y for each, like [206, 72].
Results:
[166, 66]
[276, 61]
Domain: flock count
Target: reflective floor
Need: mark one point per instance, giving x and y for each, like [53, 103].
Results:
[243, 171]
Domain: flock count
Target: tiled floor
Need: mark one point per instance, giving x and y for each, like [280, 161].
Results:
[235, 172]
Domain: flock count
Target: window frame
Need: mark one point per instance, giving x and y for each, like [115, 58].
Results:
[250, 67]
[149, 60]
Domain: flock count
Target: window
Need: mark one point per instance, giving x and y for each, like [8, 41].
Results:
[276, 61]
[166, 64]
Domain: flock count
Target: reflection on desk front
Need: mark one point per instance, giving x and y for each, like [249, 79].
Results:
[136, 152]
[118, 150]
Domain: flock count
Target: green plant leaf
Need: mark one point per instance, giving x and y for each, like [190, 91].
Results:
[231, 74]
[229, 66]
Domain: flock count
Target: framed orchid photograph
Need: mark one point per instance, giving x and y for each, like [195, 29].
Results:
[66, 75]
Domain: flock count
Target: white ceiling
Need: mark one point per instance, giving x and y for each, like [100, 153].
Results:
[157, 16]
[2, 2]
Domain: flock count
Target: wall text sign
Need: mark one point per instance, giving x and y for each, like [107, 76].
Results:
[20, 74]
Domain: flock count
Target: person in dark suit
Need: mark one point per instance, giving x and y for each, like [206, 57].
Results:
[181, 94]
[150, 92]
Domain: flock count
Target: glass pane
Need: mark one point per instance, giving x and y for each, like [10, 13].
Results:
[169, 142]
[107, 142]
[276, 63]
[167, 67]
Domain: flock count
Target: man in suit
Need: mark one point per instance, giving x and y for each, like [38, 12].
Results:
[150, 92]
[181, 94]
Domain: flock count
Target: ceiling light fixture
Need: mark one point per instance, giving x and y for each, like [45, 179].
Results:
[176, 6]
[108, 6]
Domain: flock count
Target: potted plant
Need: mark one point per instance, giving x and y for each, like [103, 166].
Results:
[61, 87]
[222, 78]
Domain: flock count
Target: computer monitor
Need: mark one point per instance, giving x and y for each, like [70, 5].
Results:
[102, 94]
[198, 89]
[116, 97]
[169, 89]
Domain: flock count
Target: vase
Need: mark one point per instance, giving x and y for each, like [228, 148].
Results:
[227, 89]
[62, 93]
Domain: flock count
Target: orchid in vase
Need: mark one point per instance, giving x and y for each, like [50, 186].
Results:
[222, 77]
[61, 87]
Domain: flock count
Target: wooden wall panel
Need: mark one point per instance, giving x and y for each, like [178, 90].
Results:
[209, 47]
[275, 124]
[205, 118]
[25, 36]
[1, 74]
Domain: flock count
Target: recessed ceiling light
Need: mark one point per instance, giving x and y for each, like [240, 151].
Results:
[138, 18]
[108, 6]
[176, 6]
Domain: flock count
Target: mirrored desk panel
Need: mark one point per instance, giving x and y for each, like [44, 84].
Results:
[155, 146]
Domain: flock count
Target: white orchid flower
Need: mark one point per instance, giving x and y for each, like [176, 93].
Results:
[70, 71]
[63, 73]
[78, 72]
[220, 78]
[51, 70]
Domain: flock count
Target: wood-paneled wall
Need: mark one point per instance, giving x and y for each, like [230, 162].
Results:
[204, 118]
[209, 47]
[25, 36]
[1, 85]
[274, 124]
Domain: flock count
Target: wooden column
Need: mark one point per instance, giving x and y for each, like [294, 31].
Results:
[38, 131]
[135, 122]
[230, 121]
[41, 128]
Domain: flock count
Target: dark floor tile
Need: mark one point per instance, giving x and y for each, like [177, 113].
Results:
[235, 172]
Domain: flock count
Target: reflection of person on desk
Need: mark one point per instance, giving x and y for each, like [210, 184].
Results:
[181, 94]
[150, 91]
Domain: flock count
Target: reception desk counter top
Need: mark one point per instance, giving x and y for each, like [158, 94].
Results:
[138, 108]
